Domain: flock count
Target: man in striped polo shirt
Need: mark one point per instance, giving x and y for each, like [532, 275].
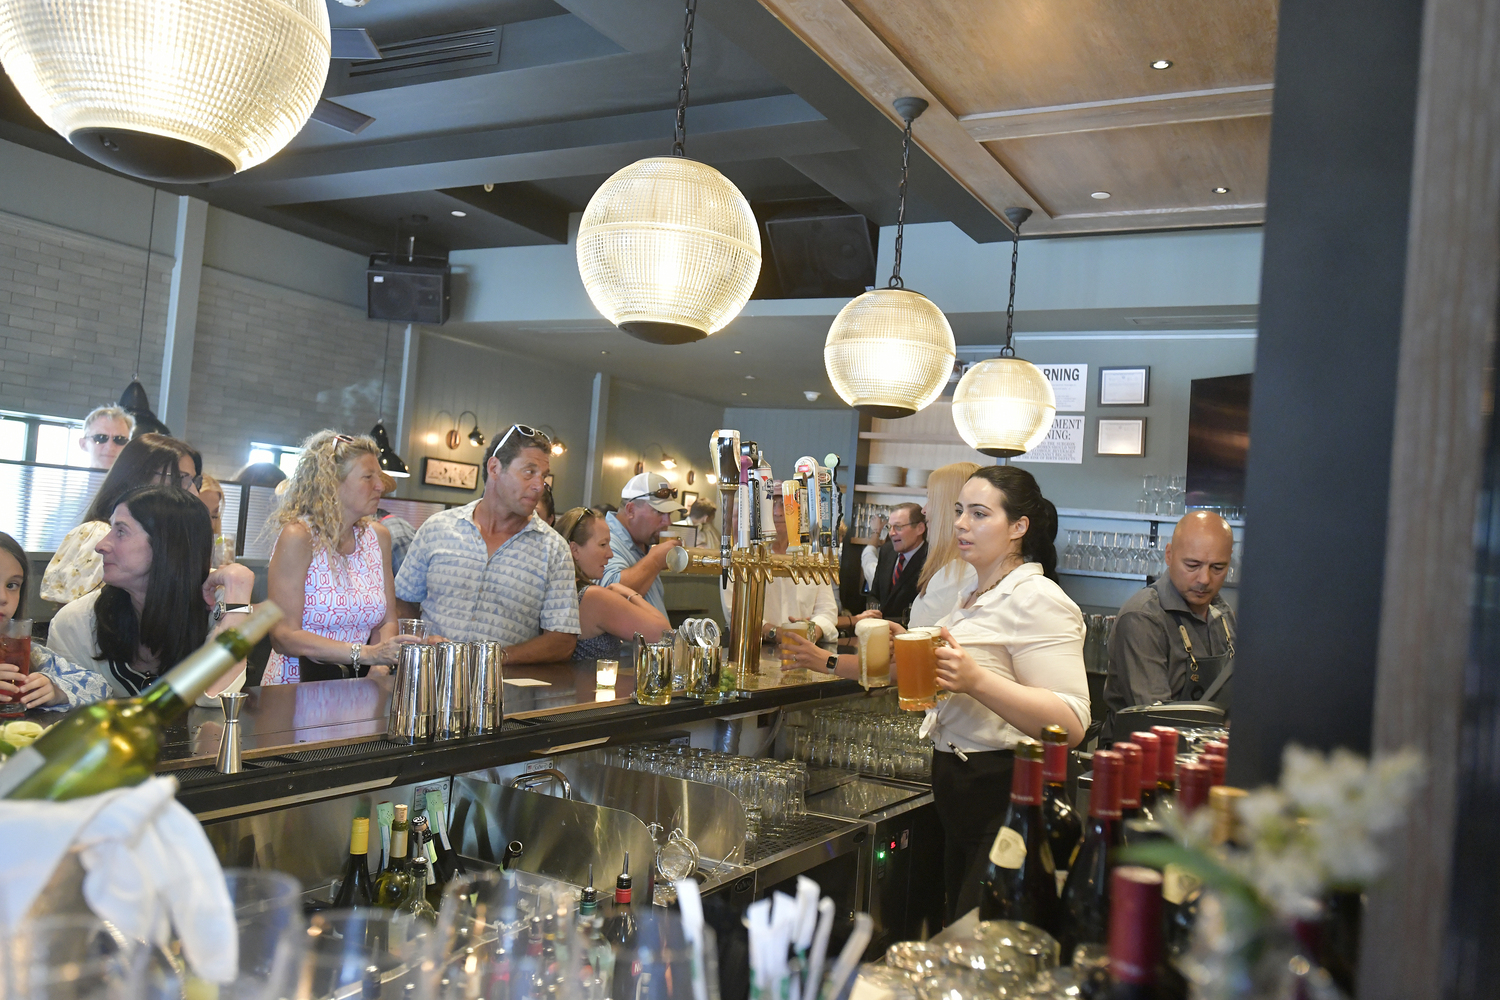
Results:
[493, 569]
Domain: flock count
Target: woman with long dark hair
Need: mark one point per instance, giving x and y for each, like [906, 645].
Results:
[51, 681]
[159, 596]
[75, 569]
[1013, 663]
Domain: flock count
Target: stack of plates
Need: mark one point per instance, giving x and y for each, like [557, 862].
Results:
[918, 478]
[887, 475]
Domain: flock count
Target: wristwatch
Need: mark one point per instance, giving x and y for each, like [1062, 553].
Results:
[833, 663]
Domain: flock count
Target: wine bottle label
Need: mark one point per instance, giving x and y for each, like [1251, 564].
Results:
[1008, 850]
[22, 764]
[1177, 884]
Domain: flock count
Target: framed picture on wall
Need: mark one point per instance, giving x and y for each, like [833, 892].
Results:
[453, 475]
[689, 498]
[1124, 386]
[1121, 437]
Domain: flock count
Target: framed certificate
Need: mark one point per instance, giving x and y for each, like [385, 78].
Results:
[1124, 386]
[689, 498]
[454, 475]
[1121, 437]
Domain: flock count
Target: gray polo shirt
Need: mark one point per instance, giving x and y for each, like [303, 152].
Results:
[625, 554]
[1147, 660]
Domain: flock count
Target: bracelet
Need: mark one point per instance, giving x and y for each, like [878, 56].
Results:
[354, 657]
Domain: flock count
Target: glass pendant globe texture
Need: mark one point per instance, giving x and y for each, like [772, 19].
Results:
[1003, 407]
[669, 250]
[889, 352]
[184, 91]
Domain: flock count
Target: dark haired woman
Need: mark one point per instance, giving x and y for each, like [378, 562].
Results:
[606, 615]
[1014, 663]
[51, 681]
[158, 596]
[151, 458]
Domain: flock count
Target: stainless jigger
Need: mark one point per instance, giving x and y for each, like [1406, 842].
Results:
[229, 744]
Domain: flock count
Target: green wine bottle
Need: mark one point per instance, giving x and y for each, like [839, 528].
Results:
[393, 884]
[114, 743]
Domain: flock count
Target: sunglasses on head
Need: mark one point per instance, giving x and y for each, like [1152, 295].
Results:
[119, 439]
[665, 493]
[526, 432]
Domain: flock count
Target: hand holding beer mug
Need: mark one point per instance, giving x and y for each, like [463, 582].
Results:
[956, 670]
[787, 647]
[916, 668]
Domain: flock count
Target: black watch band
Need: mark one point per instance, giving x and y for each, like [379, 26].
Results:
[833, 663]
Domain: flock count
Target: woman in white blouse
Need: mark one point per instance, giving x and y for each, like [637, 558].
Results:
[1013, 664]
[945, 575]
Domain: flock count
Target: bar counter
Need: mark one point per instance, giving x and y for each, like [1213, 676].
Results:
[323, 739]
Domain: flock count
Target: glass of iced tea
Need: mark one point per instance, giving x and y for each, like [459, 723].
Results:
[15, 649]
[916, 668]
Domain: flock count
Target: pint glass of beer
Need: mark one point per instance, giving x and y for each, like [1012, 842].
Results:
[874, 635]
[804, 629]
[916, 668]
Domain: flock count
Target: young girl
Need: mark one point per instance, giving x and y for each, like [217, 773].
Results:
[53, 682]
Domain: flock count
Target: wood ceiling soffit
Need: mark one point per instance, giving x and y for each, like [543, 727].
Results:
[838, 32]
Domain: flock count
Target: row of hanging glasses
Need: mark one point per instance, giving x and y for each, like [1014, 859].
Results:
[1113, 552]
[876, 743]
[1164, 495]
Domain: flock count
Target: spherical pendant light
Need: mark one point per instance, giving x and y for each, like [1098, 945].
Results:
[1004, 406]
[669, 250]
[889, 352]
[176, 91]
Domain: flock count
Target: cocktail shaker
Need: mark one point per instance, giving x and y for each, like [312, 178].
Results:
[486, 692]
[411, 715]
[450, 689]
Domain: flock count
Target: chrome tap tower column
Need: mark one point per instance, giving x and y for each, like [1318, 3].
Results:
[745, 559]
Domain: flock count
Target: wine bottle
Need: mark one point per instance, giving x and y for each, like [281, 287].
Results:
[1137, 967]
[1150, 745]
[448, 864]
[1166, 761]
[1194, 779]
[1085, 896]
[1217, 765]
[1130, 779]
[356, 889]
[114, 743]
[1020, 881]
[425, 885]
[1182, 891]
[620, 932]
[512, 855]
[391, 883]
[1063, 825]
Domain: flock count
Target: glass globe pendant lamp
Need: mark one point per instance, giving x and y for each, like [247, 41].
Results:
[668, 248]
[175, 91]
[1004, 407]
[890, 351]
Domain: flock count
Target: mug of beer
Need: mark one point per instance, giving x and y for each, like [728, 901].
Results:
[804, 629]
[874, 635]
[916, 668]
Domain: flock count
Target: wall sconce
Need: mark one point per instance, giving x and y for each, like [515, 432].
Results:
[475, 438]
[667, 461]
[450, 438]
[690, 477]
[559, 447]
[616, 461]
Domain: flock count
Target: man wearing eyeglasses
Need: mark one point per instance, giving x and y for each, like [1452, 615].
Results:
[106, 431]
[493, 569]
[640, 554]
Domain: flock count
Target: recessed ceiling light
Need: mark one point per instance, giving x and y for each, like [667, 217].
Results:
[457, 214]
[739, 352]
[1100, 195]
[603, 352]
[1221, 189]
[751, 377]
[1162, 64]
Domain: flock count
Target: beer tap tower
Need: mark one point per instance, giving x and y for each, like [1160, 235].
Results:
[745, 560]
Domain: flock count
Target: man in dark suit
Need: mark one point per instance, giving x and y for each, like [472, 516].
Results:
[899, 568]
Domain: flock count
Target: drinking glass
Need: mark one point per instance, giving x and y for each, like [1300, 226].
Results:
[874, 638]
[916, 670]
[367, 952]
[70, 957]
[268, 917]
[411, 626]
[788, 656]
[15, 649]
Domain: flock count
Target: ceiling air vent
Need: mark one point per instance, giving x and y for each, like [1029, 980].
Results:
[1196, 321]
[439, 56]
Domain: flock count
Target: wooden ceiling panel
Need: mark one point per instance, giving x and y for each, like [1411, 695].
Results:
[1147, 170]
[982, 56]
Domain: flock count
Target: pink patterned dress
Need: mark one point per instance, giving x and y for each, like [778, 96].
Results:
[346, 607]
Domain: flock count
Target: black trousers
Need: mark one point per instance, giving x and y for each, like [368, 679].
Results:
[971, 798]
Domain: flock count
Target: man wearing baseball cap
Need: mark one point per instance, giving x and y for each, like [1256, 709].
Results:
[648, 503]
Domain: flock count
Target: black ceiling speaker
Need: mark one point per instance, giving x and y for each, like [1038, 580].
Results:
[408, 289]
[819, 254]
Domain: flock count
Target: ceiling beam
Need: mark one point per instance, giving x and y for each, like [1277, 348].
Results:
[1130, 112]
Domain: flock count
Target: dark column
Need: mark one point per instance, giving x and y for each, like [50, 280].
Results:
[1325, 378]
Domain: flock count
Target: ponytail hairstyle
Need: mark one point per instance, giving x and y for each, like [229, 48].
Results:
[1020, 496]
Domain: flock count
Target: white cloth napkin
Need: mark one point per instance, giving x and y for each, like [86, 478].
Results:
[150, 868]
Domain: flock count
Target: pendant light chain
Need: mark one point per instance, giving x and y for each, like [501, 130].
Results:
[1009, 351]
[385, 366]
[145, 286]
[895, 281]
[679, 141]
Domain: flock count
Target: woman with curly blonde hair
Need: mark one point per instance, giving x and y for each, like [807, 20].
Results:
[331, 567]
